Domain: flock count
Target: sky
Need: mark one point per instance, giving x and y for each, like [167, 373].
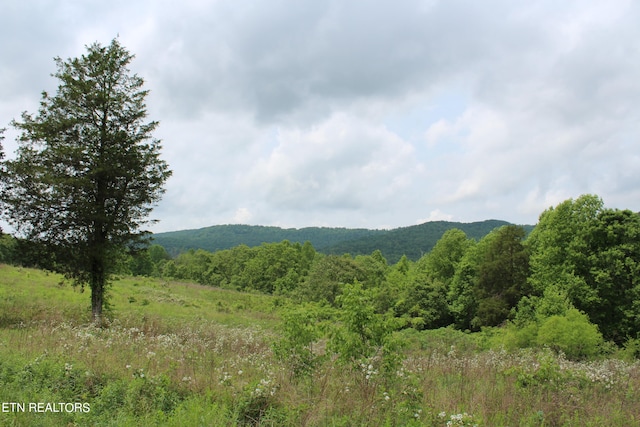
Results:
[360, 114]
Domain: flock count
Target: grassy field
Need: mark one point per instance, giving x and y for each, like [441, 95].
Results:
[178, 354]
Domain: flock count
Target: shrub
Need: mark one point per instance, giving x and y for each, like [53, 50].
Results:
[363, 334]
[300, 331]
[572, 334]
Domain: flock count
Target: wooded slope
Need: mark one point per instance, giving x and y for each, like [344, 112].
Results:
[412, 241]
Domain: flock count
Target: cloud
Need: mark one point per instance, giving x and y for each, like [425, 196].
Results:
[242, 216]
[343, 163]
[288, 61]
[363, 113]
[436, 215]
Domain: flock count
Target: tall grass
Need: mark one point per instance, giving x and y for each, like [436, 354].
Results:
[178, 354]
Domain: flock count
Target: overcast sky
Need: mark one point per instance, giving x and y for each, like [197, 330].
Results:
[374, 114]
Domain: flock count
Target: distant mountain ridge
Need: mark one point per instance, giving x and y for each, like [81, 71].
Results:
[412, 241]
[219, 237]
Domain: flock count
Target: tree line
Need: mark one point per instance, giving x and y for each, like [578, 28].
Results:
[581, 264]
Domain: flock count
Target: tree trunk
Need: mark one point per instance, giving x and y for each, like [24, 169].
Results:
[97, 246]
[98, 282]
[96, 304]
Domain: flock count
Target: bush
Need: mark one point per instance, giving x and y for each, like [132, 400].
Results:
[300, 331]
[572, 334]
[362, 334]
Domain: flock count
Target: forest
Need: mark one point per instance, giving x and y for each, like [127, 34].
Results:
[572, 283]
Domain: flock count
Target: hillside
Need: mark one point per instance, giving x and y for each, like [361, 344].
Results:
[219, 237]
[412, 241]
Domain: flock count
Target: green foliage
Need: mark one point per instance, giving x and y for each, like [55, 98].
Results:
[326, 278]
[200, 410]
[425, 302]
[270, 268]
[301, 331]
[7, 249]
[501, 276]
[558, 247]
[148, 261]
[391, 292]
[137, 396]
[157, 254]
[364, 337]
[222, 237]
[552, 321]
[613, 272]
[631, 349]
[592, 254]
[424, 285]
[536, 309]
[461, 297]
[413, 241]
[426, 299]
[87, 171]
[491, 311]
[140, 264]
[572, 334]
[460, 282]
[548, 374]
[177, 361]
[274, 268]
[374, 267]
[225, 267]
[442, 261]
[257, 405]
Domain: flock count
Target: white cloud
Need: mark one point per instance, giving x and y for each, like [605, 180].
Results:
[242, 216]
[343, 163]
[436, 215]
[363, 113]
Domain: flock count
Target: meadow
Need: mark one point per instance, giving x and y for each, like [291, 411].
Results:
[181, 354]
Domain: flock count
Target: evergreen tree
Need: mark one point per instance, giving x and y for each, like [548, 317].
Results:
[88, 171]
[502, 276]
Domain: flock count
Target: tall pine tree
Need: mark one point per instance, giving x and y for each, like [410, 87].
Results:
[87, 171]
